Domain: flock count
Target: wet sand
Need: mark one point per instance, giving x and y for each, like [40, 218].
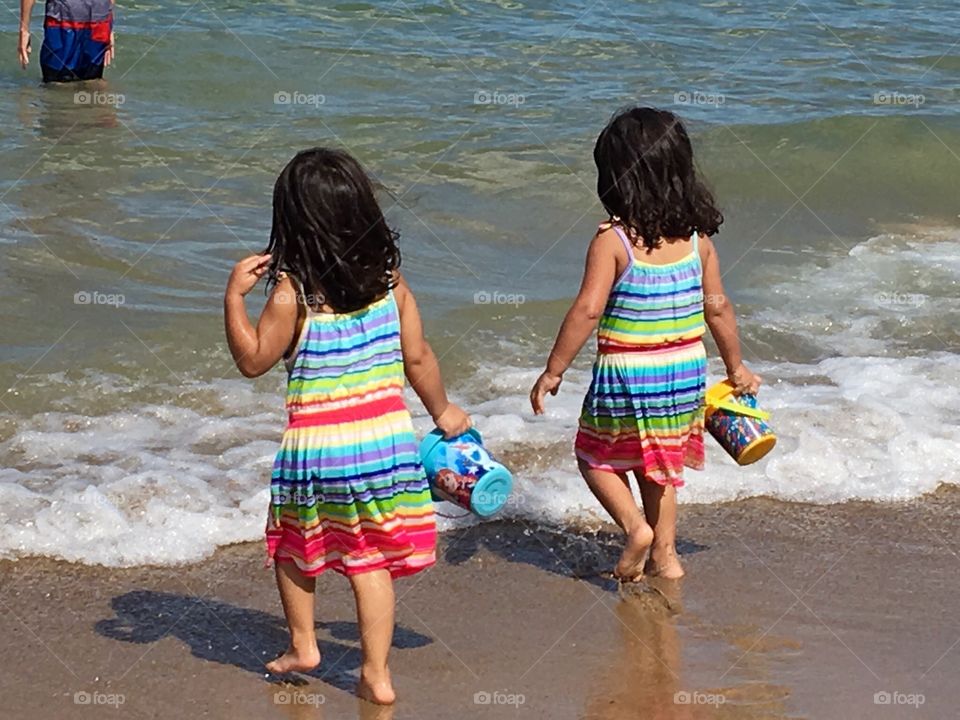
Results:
[787, 611]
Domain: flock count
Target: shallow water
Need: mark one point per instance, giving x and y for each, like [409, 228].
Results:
[827, 131]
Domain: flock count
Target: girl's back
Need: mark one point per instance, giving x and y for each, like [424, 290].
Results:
[348, 462]
[347, 489]
[347, 360]
[657, 299]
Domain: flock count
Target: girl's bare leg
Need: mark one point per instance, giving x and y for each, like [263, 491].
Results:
[660, 509]
[296, 594]
[375, 615]
[613, 492]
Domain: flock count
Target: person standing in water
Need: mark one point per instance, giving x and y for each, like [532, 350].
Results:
[78, 39]
[652, 284]
[348, 492]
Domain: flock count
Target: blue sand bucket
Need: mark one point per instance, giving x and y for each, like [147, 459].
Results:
[461, 471]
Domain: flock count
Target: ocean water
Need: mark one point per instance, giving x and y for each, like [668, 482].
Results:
[828, 131]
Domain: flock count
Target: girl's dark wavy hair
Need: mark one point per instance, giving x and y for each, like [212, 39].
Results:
[646, 178]
[329, 232]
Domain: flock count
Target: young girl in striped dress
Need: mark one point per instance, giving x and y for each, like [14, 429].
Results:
[652, 283]
[347, 491]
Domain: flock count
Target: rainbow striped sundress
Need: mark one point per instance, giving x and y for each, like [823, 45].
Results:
[348, 492]
[644, 408]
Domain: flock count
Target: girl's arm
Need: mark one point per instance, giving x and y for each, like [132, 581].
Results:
[722, 321]
[257, 349]
[581, 320]
[422, 369]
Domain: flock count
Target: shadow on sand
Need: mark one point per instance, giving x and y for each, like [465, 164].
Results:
[588, 556]
[231, 635]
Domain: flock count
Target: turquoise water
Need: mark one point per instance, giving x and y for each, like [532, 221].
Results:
[828, 130]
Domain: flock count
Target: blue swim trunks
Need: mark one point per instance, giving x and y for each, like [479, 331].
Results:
[76, 36]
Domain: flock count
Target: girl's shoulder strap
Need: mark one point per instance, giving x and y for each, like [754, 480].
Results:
[700, 249]
[299, 293]
[627, 246]
[303, 315]
[612, 225]
[394, 302]
[397, 292]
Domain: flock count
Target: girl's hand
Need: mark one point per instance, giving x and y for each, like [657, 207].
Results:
[453, 421]
[247, 273]
[744, 381]
[546, 383]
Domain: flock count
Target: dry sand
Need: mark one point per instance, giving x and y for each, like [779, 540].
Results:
[787, 611]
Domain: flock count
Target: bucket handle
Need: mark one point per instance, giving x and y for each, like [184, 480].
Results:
[739, 409]
[452, 517]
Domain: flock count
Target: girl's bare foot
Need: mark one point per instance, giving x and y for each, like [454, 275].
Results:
[376, 690]
[295, 660]
[630, 565]
[664, 563]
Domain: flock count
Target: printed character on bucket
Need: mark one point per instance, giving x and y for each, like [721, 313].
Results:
[462, 471]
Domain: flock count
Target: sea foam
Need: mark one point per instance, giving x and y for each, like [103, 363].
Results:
[169, 483]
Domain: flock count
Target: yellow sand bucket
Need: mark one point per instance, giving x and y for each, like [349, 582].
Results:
[738, 424]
